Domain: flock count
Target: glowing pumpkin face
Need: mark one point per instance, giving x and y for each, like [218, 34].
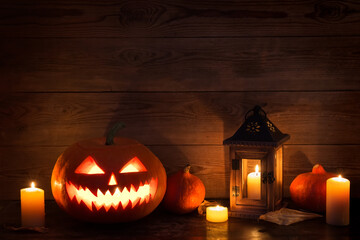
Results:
[121, 182]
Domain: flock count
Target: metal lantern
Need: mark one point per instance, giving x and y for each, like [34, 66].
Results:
[256, 154]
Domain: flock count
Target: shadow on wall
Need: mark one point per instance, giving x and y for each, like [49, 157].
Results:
[143, 122]
[161, 122]
[187, 127]
[301, 163]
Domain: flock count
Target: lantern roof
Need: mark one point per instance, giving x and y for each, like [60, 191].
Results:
[257, 130]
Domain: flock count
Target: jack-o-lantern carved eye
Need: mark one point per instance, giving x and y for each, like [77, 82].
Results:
[89, 166]
[134, 165]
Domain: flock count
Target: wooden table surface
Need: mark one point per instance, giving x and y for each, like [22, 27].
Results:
[163, 225]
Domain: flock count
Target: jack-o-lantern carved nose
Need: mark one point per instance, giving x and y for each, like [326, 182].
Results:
[112, 180]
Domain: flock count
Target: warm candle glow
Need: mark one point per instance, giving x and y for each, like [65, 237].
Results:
[337, 201]
[112, 180]
[254, 184]
[217, 214]
[32, 206]
[56, 183]
[118, 198]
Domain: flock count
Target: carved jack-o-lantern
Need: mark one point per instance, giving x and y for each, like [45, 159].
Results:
[108, 180]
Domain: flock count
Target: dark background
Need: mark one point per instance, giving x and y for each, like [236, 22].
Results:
[181, 75]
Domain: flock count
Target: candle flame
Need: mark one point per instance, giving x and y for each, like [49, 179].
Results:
[217, 208]
[32, 185]
[257, 168]
[340, 176]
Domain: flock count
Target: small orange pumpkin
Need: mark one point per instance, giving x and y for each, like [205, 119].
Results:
[108, 180]
[184, 193]
[308, 190]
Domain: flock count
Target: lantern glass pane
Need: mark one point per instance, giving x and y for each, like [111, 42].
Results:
[251, 179]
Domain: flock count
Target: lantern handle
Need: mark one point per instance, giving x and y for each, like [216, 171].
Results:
[256, 110]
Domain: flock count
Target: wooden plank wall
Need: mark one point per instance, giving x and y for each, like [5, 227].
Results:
[181, 75]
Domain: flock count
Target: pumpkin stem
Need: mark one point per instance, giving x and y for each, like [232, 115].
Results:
[187, 168]
[317, 168]
[111, 134]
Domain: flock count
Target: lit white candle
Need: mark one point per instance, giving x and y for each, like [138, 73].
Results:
[217, 214]
[32, 207]
[337, 201]
[254, 184]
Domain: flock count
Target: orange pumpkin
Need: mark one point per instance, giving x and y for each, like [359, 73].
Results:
[308, 190]
[184, 193]
[108, 180]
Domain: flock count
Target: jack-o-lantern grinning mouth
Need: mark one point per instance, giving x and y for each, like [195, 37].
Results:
[118, 200]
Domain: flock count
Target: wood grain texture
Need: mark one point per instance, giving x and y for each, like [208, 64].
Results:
[21, 165]
[53, 119]
[179, 18]
[181, 75]
[211, 64]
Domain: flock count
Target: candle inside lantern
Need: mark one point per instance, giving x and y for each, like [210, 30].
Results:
[254, 184]
[32, 207]
[337, 201]
[217, 214]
